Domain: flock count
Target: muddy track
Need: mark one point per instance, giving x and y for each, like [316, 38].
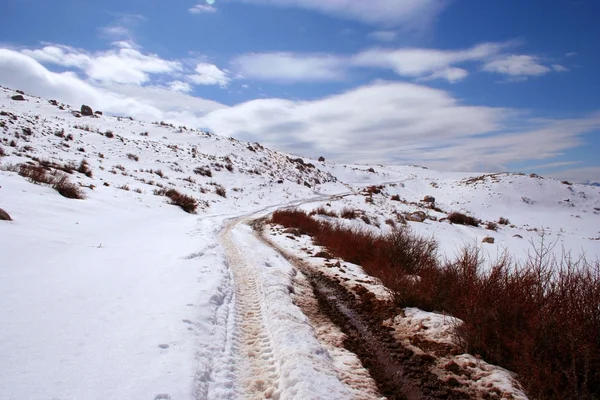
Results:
[398, 372]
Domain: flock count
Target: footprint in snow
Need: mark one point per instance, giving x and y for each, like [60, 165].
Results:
[163, 346]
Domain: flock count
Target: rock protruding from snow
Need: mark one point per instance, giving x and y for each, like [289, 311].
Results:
[18, 97]
[4, 216]
[86, 111]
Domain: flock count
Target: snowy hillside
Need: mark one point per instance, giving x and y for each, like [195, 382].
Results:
[123, 295]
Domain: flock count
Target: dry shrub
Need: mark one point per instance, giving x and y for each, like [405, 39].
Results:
[221, 191]
[36, 174]
[133, 157]
[540, 319]
[204, 171]
[67, 188]
[503, 221]
[395, 197]
[323, 211]
[185, 202]
[84, 168]
[348, 213]
[2, 152]
[462, 219]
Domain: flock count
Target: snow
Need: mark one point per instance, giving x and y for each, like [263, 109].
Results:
[123, 295]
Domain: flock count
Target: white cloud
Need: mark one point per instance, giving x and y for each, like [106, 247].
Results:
[383, 36]
[559, 68]
[451, 74]
[209, 74]
[409, 14]
[180, 86]
[416, 63]
[426, 63]
[397, 122]
[123, 65]
[517, 65]
[290, 67]
[151, 103]
[202, 8]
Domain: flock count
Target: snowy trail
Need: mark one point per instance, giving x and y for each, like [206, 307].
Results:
[277, 352]
[260, 375]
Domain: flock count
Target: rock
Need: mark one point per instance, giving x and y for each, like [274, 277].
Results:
[488, 239]
[4, 216]
[20, 91]
[106, 184]
[321, 159]
[428, 199]
[18, 97]
[98, 113]
[323, 254]
[371, 170]
[453, 367]
[53, 102]
[86, 110]
[418, 216]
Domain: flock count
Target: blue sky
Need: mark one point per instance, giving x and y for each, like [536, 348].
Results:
[451, 84]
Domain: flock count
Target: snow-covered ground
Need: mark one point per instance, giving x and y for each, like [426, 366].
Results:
[122, 295]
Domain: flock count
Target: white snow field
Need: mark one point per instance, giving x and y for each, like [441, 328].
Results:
[122, 295]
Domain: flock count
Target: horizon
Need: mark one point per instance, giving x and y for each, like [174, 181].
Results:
[446, 84]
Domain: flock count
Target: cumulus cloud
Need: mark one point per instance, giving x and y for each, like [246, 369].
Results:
[209, 74]
[19, 70]
[415, 63]
[123, 65]
[408, 14]
[202, 8]
[517, 65]
[431, 63]
[180, 86]
[395, 122]
[290, 67]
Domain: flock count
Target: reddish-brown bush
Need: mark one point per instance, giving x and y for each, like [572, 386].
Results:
[84, 168]
[185, 202]
[66, 188]
[540, 319]
[323, 211]
[348, 213]
[221, 191]
[462, 219]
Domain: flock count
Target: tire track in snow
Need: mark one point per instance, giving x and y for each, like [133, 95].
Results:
[260, 377]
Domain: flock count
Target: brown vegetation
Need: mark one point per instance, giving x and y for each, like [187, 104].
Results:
[540, 319]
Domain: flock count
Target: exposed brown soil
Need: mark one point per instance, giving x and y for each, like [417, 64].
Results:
[398, 372]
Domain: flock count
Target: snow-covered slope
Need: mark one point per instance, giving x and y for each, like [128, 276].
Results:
[122, 295]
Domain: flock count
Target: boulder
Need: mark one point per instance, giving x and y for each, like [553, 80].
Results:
[323, 254]
[321, 159]
[98, 113]
[4, 216]
[417, 216]
[86, 110]
[488, 239]
[18, 97]
[428, 199]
